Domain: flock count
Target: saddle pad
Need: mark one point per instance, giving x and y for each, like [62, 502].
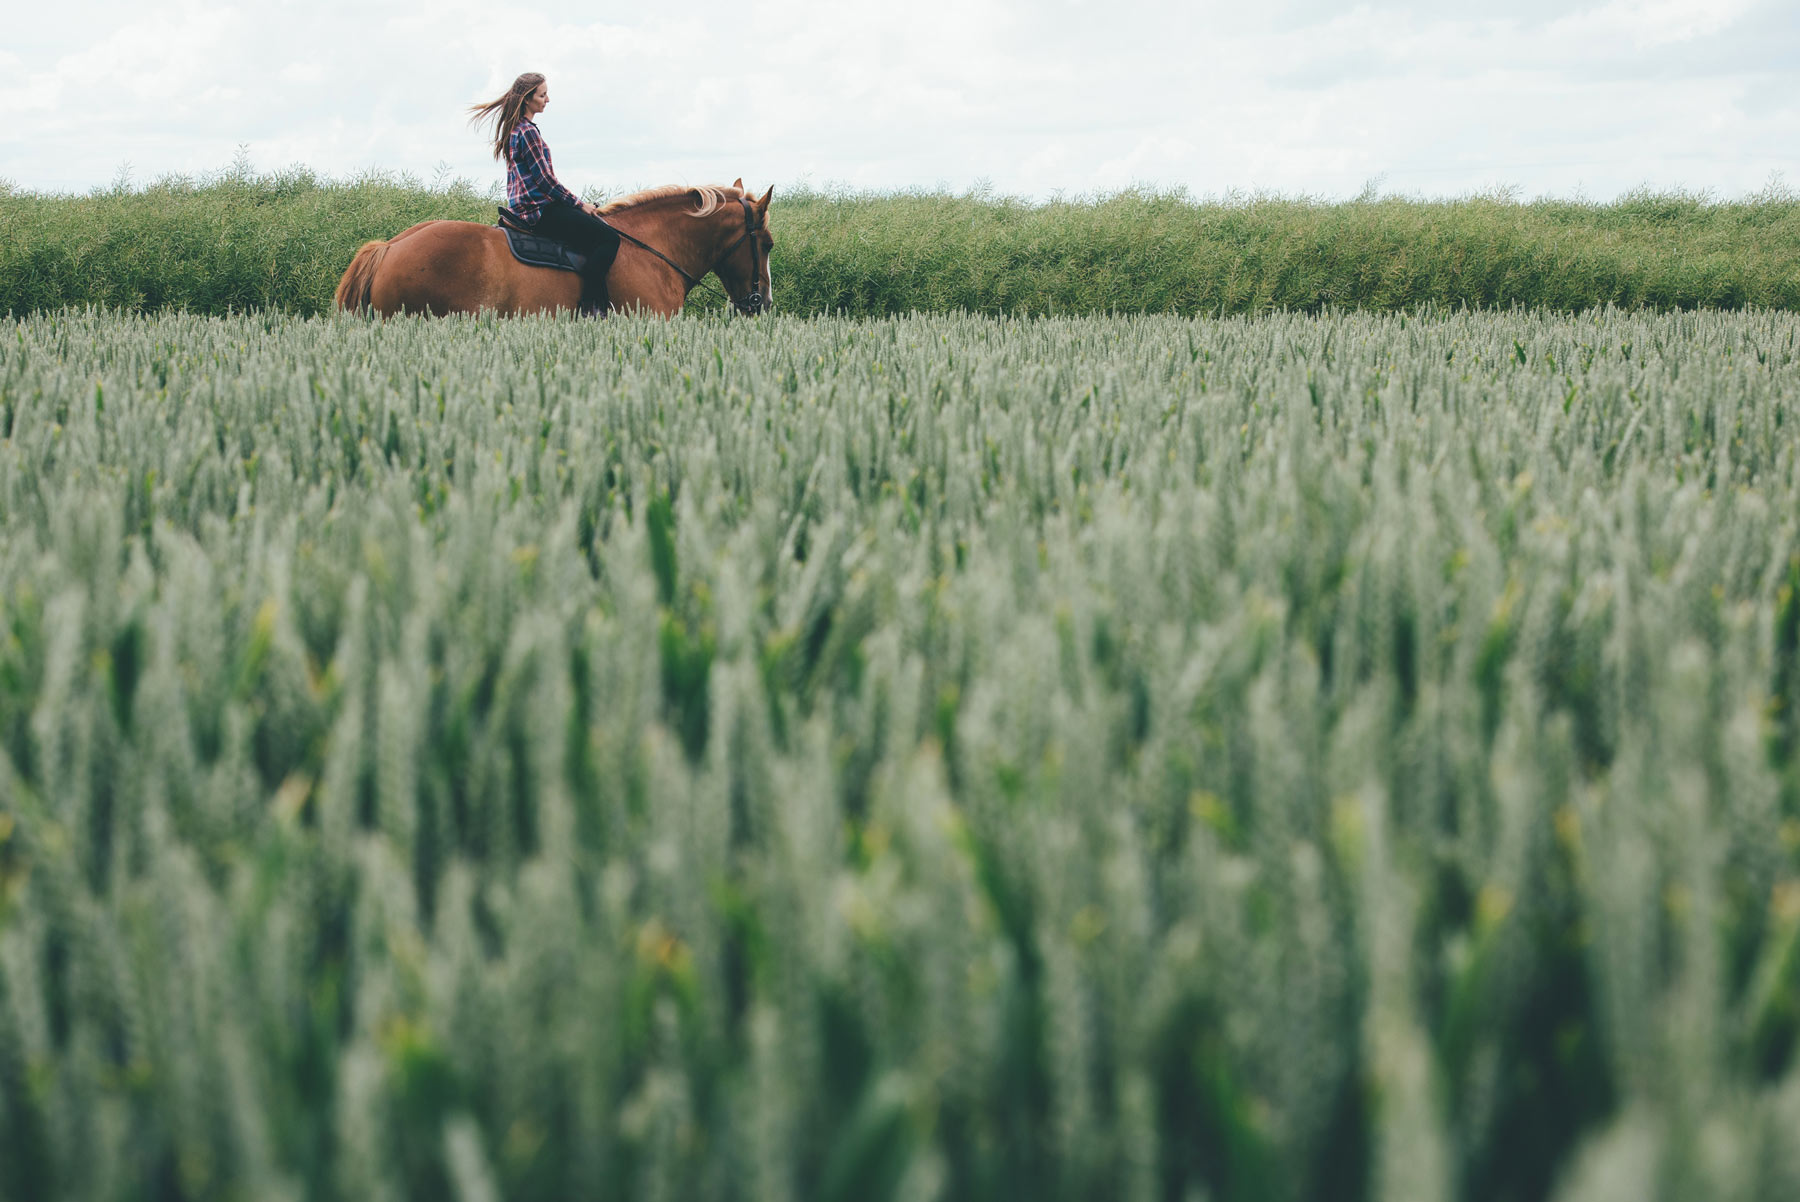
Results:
[538, 251]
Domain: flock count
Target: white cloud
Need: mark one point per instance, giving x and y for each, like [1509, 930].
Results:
[1643, 23]
[1039, 98]
[161, 61]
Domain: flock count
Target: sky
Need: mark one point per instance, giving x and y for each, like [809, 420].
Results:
[1034, 99]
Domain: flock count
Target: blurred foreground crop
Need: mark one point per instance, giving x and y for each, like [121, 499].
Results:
[1296, 758]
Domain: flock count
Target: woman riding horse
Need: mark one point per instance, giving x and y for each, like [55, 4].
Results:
[537, 198]
[678, 236]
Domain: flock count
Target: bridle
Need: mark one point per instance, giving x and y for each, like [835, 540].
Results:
[754, 301]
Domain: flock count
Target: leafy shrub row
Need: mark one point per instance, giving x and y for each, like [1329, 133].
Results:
[245, 241]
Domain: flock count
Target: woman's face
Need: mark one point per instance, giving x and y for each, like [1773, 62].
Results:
[540, 97]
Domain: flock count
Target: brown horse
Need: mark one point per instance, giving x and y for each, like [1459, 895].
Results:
[670, 238]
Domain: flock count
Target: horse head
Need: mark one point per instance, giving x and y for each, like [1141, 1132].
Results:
[697, 231]
[743, 264]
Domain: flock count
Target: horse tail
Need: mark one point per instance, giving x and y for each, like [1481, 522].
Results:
[359, 278]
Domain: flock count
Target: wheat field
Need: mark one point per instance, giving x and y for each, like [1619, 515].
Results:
[1303, 757]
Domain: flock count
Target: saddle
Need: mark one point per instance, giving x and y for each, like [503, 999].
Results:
[535, 250]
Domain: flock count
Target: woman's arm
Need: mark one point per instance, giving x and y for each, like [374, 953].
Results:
[540, 180]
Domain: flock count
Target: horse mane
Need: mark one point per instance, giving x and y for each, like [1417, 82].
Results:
[711, 198]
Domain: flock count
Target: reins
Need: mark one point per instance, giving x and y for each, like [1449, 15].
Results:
[750, 227]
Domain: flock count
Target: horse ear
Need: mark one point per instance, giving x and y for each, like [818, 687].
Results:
[739, 185]
[766, 198]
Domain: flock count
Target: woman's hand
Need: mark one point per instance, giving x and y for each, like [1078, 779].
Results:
[590, 210]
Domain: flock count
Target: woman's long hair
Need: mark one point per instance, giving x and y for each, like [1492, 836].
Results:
[507, 110]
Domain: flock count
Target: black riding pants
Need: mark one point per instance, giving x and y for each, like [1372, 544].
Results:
[585, 233]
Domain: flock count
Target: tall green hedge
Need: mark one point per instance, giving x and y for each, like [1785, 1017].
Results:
[240, 240]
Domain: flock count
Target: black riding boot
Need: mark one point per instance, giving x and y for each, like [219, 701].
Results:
[593, 238]
[594, 299]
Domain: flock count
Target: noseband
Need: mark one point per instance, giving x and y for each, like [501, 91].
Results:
[754, 301]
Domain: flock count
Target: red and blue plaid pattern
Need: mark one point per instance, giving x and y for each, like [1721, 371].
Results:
[530, 180]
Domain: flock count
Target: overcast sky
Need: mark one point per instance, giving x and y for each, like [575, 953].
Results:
[1034, 98]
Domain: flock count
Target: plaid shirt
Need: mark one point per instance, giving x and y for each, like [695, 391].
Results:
[530, 180]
